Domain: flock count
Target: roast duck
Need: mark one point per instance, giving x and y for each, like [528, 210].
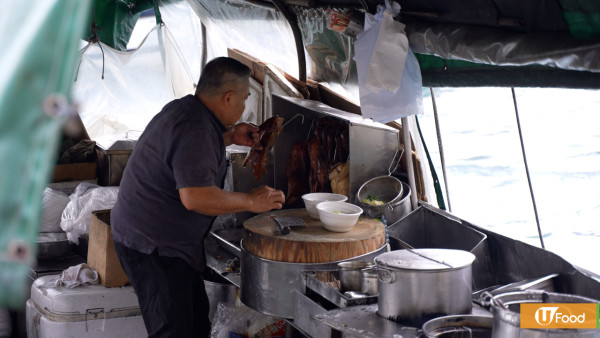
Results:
[269, 132]
[319, 164]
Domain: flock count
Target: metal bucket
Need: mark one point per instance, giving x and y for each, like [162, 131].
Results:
[218, 290]
[507, 317]
[391, 211]
[470, 326]
[268, 286]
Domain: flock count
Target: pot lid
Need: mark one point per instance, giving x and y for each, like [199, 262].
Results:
[425, 259]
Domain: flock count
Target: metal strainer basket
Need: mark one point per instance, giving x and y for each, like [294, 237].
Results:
[386, 188]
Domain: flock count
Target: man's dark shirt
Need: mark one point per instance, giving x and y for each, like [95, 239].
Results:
[181, 147]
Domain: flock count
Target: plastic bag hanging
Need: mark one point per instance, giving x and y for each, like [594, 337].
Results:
[389, 76]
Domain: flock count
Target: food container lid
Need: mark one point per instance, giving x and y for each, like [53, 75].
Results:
[425, 259]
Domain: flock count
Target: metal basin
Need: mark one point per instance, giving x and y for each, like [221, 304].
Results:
[471, 326]
[52, 245]
[268, 286]
[507, 316]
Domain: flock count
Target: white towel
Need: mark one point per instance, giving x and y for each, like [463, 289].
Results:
[74, 276]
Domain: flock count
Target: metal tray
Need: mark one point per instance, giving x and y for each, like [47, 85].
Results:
[315, 281]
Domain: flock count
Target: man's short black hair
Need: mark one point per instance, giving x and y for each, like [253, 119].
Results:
[214, 79]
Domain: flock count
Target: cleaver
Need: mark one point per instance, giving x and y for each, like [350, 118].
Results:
[285, 223]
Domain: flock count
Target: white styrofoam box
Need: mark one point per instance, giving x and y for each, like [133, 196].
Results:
[254, 104]
[83, 311]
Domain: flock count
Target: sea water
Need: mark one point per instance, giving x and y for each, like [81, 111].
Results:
[486, 175]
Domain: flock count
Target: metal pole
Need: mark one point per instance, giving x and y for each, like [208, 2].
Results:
[537, 220]
[204, 46]
[441, 147]
[293, 22]
[409, 162]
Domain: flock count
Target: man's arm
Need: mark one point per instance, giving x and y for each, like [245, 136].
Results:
[213, 201]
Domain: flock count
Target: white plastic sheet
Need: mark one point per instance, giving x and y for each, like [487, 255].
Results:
[135, 87]
[53, 202]
[258, 31]
[75, 219]
[388, 56]
[382, 98]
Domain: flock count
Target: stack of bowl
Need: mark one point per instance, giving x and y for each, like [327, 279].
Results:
[335, 214]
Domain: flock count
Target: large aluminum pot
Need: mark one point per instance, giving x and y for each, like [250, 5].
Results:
[416, 285]
[471, 326]
[392, 211]
[268, 286]
[507, 316]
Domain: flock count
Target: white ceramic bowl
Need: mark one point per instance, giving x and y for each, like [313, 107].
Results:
[311, 201]
[338, 216]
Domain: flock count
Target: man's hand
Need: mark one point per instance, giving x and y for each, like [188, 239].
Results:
[266, 198]
[213, 201]
[245, 134]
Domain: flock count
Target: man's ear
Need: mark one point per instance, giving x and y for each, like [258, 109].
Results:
[227, 97]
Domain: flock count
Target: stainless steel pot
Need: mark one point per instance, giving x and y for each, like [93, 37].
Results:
[368, 281]
[350, 274]
[471, 326]
[392, 211]
[416, 285]
[268, 286]
[507, 317]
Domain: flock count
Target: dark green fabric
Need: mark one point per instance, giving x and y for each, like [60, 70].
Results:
[582, 16]
[438, 72]
[113, 21]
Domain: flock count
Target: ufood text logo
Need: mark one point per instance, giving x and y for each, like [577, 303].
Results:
[560, 316]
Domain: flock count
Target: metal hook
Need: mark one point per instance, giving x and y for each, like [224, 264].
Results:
[292, 119]
[312, 124]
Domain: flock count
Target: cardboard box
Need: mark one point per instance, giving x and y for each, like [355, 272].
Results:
[101, 251]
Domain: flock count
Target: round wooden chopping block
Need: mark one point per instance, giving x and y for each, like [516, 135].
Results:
[310, 243]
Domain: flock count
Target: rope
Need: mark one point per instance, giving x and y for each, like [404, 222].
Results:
[94, 38]
[440, 146]
[537, 220]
